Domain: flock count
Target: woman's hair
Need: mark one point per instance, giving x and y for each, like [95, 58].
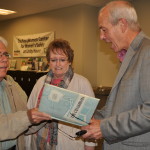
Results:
[2, 40]
[60, 46]
[122, 9]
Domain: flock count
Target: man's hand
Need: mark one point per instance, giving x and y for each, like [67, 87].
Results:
[93, 130]
[36, 116]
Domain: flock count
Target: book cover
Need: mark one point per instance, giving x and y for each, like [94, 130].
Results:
[67, 106]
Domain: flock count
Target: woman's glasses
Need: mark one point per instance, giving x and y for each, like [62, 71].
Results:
[62, 60]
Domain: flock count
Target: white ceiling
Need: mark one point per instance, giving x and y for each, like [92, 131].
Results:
[28, 7]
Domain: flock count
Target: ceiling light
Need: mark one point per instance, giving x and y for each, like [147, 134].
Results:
[6, 12]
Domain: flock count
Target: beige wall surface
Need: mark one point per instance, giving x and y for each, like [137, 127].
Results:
[77, 24]
[107, 64]
[143, 12]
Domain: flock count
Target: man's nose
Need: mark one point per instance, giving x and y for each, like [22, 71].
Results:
[102, 36]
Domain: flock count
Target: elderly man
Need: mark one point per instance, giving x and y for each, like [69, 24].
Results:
[125, 120]
[14, 118]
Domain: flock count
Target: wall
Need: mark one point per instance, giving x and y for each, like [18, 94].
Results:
[107, 64]
[78, 25]
[106, 57]
[143, 11]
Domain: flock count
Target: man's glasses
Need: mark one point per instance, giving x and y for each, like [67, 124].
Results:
[6, 54]
[78, 118]
[62, 60]
[68, 135]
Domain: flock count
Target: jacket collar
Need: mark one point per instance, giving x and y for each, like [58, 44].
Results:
[133, 48]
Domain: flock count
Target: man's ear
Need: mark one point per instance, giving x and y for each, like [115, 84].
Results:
[123, 24]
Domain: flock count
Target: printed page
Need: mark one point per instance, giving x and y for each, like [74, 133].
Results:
[67, 106]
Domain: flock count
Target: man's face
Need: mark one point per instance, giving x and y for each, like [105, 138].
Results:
[4, 61]
[110, 33]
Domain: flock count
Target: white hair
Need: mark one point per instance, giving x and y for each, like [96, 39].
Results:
[3, 40]
[122, 9]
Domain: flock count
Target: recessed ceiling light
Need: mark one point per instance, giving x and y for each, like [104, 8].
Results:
[6, 12]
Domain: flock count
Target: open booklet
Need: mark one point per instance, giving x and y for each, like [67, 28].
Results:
[67, 106]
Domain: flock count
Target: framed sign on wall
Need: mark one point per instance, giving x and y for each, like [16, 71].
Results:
[34, 45]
